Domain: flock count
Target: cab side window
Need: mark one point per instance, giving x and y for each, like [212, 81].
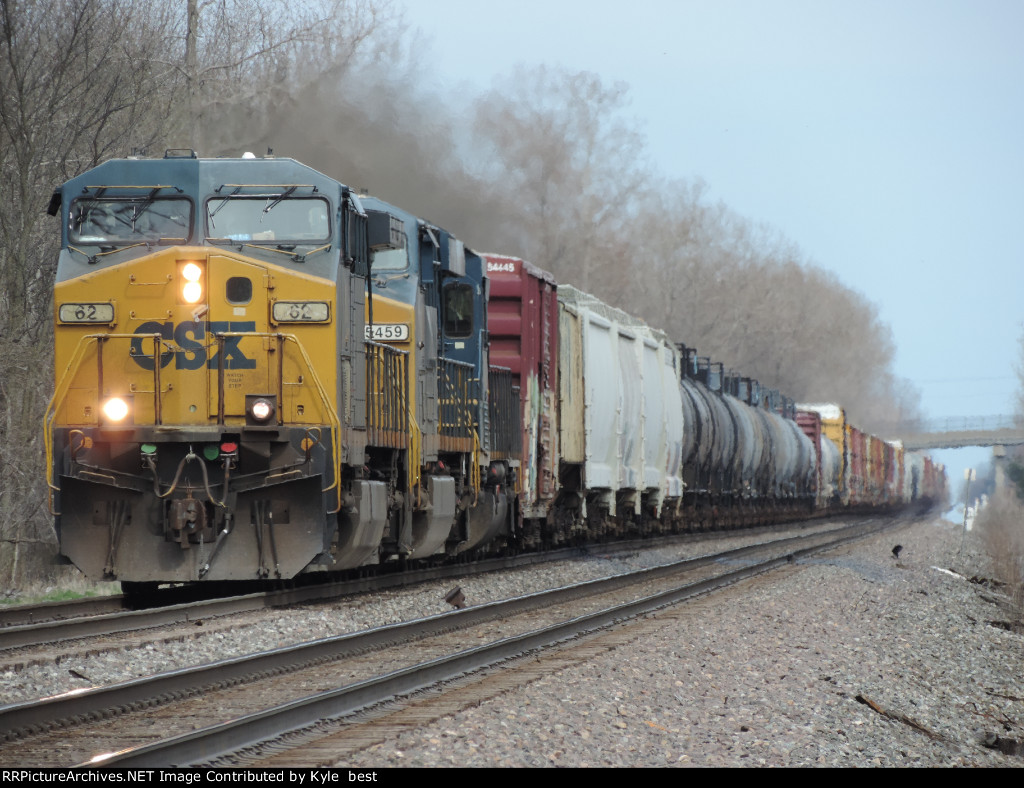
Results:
[458, 310]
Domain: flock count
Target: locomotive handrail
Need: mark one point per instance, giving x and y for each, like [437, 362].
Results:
[456, 397]
[77, 358]
[60, 392]
[389, 398]
[415, 453]
[332, 413]
[456, 400]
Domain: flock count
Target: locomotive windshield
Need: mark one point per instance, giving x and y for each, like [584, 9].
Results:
[130, 220]
[274, 217]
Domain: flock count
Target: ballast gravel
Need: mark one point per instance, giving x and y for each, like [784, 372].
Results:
[129, 656]
[851, 659]
[854, 658]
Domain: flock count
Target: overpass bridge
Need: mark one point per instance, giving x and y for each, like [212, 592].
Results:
[957, 432]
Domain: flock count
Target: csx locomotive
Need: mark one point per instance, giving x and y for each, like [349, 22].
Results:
[261, 373]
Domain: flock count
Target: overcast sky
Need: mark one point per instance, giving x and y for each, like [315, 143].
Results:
[886, 139]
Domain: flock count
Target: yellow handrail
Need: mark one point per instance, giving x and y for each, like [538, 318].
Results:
[60, 393]
[331, 412]
[328, 406]
[64, 384]
[474, 474]
[415, 454]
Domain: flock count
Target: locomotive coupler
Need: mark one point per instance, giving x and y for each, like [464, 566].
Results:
[187, 517]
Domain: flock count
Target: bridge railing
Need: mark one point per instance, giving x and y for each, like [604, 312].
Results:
[951, 424]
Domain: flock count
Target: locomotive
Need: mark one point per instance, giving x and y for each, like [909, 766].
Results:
[260, 373]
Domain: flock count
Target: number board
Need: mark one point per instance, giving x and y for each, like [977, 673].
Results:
[387, 332]
[86, 313]
[301, 311]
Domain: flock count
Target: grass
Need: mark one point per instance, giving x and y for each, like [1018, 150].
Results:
[54, 595]
[1001, 527]
[58, 584]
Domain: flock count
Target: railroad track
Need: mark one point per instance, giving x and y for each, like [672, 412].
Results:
[51, 623]
[46, 612]
[57, 622]
[185, 709]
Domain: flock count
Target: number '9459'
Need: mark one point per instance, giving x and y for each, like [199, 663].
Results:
[387, 332]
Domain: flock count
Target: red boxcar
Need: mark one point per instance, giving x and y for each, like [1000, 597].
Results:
[523, 325]
[809, 423]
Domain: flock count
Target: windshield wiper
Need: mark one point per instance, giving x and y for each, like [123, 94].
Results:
[141, 208]
[224, 202]
[272, 205]
[106, 249]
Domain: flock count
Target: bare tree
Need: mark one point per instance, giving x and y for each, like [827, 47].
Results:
[244, 58]
[558, 145]
[84, 80]
[76, 80]
[746, 296]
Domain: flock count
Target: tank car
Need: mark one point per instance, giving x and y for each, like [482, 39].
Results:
[750, 463]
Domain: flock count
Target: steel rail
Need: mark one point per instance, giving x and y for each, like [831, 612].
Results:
[24, 615]
[67, 708]
[90, 625]
[52, 622]
[215, 741]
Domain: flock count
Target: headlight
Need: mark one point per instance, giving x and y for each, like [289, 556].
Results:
[261, 409]
[192, 292]
[115, 409]
[192, 286]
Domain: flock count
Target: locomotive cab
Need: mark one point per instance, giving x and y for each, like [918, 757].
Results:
[203, 319]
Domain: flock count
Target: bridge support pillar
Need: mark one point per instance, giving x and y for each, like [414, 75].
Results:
[999, 462]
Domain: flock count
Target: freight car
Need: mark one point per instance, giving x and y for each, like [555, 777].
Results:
[261, 373]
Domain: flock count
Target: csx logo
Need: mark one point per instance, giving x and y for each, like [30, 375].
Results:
[190, 337]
